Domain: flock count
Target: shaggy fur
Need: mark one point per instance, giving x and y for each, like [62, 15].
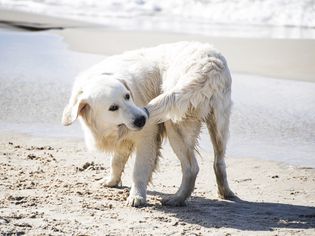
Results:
[181, 85]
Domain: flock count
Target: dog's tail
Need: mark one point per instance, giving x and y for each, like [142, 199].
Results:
[204, 83]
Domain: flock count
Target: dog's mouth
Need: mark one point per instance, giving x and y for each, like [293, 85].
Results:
[122, 127]
[122, 130]
[125, 127]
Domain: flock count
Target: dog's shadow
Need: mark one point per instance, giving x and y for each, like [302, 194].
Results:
[240, 214]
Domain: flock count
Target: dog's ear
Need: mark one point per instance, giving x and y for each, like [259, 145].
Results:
[127, 87]
[73, 109]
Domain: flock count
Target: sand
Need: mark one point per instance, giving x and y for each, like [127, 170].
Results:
[29, 21]
[50, 184]
[54, 186]
[290, 58]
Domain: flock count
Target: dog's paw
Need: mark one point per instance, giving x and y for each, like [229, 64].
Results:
[174, 201]
[136, 201]
[112, 183]
[228, 195]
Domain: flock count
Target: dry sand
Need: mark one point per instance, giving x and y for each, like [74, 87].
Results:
[52, 186]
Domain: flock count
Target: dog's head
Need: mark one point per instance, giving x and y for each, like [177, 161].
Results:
[105, 103]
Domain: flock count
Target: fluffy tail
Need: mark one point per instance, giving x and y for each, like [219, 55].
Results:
[195, 90]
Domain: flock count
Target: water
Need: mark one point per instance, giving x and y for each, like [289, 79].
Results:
[271, 119]
[36, 75]
[240, 18]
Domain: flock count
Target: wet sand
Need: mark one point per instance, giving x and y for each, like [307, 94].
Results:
[279, 58]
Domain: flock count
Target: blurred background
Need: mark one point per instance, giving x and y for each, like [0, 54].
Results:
[243, 18]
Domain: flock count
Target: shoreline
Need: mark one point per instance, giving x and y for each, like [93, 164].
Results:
[34, 21]
[266, 57]
[257, 60]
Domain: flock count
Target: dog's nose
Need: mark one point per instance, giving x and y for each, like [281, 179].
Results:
[139, 121]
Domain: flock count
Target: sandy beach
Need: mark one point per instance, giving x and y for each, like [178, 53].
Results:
[51, 185]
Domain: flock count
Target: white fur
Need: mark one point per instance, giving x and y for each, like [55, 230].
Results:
[181, 85]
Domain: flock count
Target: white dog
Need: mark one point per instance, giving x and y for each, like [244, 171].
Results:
[128, 101]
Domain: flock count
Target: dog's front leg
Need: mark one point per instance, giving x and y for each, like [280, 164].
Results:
[118, 162]
[146, 158]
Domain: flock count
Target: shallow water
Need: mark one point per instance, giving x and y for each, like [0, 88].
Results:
[240, 18]
[271, 119]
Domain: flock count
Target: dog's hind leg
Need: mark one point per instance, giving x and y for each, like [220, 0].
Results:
[218, 126]
[183, 139]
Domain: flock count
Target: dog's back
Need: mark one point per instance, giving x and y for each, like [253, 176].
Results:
[194, 76]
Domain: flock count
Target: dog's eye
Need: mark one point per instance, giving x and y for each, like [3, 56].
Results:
[113, 108]
[127, 96]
